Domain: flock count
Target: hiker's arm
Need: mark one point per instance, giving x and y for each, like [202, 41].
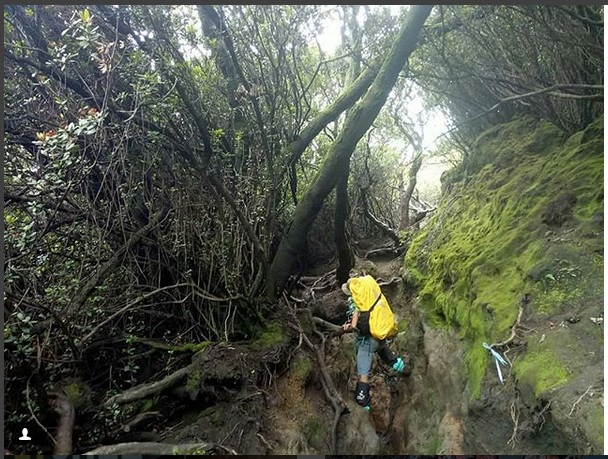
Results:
[353, 321]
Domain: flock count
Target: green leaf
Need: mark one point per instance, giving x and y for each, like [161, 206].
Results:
[86, 16]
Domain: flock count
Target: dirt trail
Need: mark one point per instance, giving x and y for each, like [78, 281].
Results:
[431, 412]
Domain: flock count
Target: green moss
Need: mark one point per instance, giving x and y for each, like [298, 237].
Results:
[193, 347]
[193, 452]
[271, 335]
[186, 347]
[214, 415]
[301, 367]
[476, 360]
[488, 243]
[434, 445]
[147, 404]
[541, 368]
[193, 383]
[315, 432]
[77, 393]
[595, 423]
[565, 276]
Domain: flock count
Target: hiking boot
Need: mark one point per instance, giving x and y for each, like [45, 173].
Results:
[401, 367]
[387, 355]
[362, 394]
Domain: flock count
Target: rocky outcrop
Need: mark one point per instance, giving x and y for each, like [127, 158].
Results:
[451, 433]
[357, 433]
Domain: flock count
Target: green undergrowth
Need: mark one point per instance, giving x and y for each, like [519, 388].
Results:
[272, 334]
[526, 217]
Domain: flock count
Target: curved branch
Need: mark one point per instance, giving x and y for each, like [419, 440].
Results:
[357, 122]
[548, 90]
[343, 102]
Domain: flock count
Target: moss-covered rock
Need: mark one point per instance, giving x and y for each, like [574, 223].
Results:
[273, 334]
[524, 215]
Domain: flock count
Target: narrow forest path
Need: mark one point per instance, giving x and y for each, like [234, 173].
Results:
[429, 412]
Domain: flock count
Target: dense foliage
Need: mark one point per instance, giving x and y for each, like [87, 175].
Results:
[154, 156]
[488, 62]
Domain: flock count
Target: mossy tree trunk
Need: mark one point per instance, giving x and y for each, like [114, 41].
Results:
[357, 122]
[345, 100]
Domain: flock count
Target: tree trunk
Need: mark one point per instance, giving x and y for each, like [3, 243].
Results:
[345, 256]
[406, 194]
[65, 426]
[347, 99]
[336, 164]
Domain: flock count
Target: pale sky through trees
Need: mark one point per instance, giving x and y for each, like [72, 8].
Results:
[428, 178]
[331, 37]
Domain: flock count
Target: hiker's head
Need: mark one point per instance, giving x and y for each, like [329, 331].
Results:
[346, 287]
[359, 287]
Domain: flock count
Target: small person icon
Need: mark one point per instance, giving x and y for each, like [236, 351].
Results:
[24, 436]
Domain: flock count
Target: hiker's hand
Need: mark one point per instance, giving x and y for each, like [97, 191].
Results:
[346, 326]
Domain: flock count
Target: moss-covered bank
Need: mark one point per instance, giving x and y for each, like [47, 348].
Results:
[525, 216]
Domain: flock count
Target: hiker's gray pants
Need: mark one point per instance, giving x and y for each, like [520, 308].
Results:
[366, 346]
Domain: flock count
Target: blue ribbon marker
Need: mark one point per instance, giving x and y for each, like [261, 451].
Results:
[497, 358]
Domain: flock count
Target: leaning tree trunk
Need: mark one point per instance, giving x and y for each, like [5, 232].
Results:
[356, 124]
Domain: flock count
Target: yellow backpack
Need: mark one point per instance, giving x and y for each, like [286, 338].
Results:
[375, 315]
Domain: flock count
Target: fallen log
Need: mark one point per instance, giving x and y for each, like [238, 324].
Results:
[145, 390]
[154, 448]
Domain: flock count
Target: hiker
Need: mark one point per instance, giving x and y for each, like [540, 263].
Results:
[364, 295]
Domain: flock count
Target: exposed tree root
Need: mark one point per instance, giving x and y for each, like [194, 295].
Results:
[514, 410]
[329, 389]
[145, 390]
[394, 252]
[579, 400]
[391, 281]
[336, 329]
[134, 422]
[523, 302]
[153, 448]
